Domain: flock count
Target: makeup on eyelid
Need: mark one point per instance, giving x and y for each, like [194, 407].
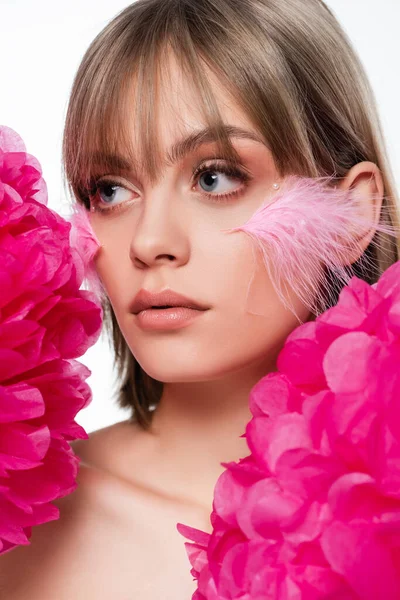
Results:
[240, 174]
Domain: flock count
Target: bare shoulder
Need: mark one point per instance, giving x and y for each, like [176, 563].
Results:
[53, 546]
[58, 547]
[110, 534]
[102, 444]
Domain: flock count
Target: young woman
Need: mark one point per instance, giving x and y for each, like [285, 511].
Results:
[185, 115]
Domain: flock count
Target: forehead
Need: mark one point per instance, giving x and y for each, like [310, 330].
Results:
[178, 109]
[157, 123]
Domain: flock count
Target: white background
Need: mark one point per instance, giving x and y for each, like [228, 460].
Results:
[41, 45]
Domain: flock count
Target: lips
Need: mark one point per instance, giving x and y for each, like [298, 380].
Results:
[166, 299]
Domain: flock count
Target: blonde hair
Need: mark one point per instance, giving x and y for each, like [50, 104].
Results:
[291, 69]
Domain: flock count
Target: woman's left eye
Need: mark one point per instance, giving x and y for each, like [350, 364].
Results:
[212, 177]
[103, 191]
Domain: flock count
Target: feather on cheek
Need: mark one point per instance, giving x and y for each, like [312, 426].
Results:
[308, 227]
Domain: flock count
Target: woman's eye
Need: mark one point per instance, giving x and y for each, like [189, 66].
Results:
[211, 179]
[111, 193]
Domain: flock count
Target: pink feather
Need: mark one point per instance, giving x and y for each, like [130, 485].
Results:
[307, 226]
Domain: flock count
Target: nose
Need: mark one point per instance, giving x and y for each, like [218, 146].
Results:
[161, 232]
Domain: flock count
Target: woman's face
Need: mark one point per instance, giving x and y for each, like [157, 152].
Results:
[169, 235]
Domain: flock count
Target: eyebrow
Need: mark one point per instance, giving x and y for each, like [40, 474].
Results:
[185, 146]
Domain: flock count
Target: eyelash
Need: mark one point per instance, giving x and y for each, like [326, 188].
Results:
[234, 172]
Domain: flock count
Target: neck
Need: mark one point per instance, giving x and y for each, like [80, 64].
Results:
[197, 425]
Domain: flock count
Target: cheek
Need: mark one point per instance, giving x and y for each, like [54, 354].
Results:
[236, 276]
[112, 265]
[249, 319]
[252, 319]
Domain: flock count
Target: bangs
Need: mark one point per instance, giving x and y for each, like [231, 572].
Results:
[99, 138]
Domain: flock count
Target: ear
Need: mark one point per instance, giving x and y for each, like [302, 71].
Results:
[365, 181]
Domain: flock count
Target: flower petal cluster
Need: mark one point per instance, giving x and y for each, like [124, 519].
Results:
[46, 322]
[314, 511]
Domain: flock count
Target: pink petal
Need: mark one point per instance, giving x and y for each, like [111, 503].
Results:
[362, 560]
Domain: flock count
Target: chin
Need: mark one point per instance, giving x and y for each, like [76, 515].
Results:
[185, 369]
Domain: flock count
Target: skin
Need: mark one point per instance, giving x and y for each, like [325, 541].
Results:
[116, 536]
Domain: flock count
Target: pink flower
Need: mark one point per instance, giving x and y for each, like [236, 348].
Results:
[46, 322]
[314, 511]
